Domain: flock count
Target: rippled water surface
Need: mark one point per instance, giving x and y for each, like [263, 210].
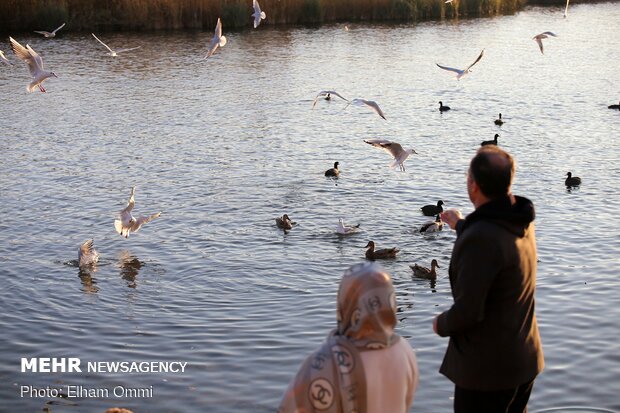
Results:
[224, 146]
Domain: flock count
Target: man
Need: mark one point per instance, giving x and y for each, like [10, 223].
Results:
[494, 353]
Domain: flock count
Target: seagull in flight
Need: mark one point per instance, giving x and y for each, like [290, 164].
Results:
[395, 149]
[35, 65]
[217, 39]
[87, 254]
[114, 53]
[541, 36]
[327, 93]
[128, 223]
[460, 73]
[566, 9]
[258, 15]
[50, 34]
[370, 103]
[4, 59]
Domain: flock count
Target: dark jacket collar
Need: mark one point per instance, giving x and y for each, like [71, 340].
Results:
[515, 213]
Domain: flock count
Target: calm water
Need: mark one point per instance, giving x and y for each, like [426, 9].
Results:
[223, 146]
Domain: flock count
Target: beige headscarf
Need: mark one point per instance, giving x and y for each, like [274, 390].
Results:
[332, 379]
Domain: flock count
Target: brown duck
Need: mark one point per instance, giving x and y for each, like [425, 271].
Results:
[284, 222]
[372, 254]
[423, 272]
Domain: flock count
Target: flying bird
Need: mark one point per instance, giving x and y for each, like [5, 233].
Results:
[128, 223]
[35, 65]
[370, 103]
[460, 73]
[50, 34]
[395, 149]
[566, 9]
[541, 36]
[87, 254]
[258, 15]
[4, 59]
[217, 40]
[114, 53]
[343, 229]
[327, 94]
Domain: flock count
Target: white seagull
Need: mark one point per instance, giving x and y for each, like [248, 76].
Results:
[566, 9]
[541, 36]
[50, 34]
[460, 73]
[217, 39]
[327, 94]
[114, 53]
[127, 223]
[343, 229]
[4, 59]
[35, 65]
[87, 254]
[258, 15]
[370, 103]
[394, 149]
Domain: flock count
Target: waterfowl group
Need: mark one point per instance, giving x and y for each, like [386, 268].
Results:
[433, 226]
[423, 272]
[443, 108]
[499, 120]
[372, 254]
[333, 172]
[432, 210]
[572, 180]
[493, 142]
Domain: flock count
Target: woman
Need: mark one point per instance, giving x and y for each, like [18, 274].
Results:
[363, 366]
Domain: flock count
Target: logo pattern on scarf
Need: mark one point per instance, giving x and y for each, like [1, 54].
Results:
[321, 394]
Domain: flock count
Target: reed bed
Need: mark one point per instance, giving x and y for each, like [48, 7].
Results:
[112, 15]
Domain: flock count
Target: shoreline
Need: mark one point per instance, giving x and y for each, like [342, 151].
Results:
[135, 15]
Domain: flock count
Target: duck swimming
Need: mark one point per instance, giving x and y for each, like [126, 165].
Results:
[372, 254]
[572, 180]
[434, 226]
[493, 142]
[499, 120]
[443, 108]
[284, 222]
[333, 172]
[423, 272]
[616, 107]
[432, 210]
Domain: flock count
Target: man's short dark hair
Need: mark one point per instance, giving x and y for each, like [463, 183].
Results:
[492, 168]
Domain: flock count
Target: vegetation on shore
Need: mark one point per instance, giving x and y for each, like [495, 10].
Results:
[112, 15]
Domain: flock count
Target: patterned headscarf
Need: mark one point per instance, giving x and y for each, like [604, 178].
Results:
[332, 379]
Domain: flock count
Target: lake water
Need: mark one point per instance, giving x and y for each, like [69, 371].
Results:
[223, 146]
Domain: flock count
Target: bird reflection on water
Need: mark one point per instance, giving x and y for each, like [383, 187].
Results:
[130, 265]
